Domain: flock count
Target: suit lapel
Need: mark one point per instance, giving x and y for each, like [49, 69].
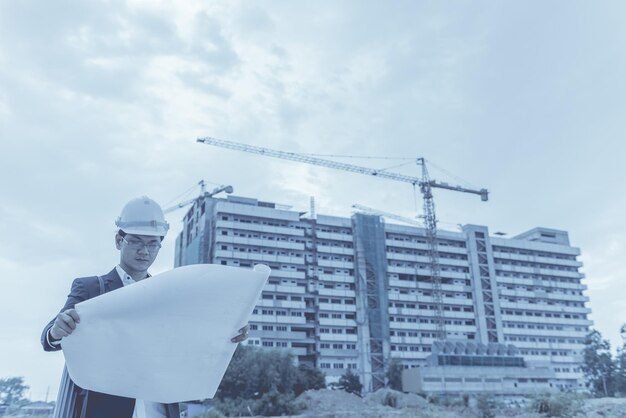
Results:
[112, 281]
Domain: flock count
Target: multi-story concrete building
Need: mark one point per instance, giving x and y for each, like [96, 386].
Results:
[352, 293]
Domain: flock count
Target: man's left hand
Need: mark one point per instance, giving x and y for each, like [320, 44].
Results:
[242, 336]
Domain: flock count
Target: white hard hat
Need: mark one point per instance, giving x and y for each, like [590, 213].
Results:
[143, 216]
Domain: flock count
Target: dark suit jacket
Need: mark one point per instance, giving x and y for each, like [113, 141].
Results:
[99, 405]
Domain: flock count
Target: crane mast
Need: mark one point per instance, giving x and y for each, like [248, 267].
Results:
[430, 222]
[425, 183]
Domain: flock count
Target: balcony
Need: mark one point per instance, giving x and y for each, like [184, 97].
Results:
[334, 236]
[244, 226]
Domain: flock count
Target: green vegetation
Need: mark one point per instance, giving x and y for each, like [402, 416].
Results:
[605, 374]
[486, 406]
[350, 383]
[12, 390]
[557, 404]
[264, 382]
[394, 374]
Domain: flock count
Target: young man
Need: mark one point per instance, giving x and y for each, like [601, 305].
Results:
[141, 228]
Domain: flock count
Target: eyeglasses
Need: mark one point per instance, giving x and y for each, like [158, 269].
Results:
[138, 245]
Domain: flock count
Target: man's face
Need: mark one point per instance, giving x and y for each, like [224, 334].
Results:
[137, 252]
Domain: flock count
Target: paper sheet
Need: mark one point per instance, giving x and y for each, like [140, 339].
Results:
[166, 338]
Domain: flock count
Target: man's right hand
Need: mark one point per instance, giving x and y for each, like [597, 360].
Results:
[64, 324]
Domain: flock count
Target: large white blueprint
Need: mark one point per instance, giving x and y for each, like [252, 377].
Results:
[166, 338]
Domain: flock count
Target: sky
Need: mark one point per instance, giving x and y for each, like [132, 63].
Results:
[102, 101]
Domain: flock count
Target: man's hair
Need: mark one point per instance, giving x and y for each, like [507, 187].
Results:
[123, 234]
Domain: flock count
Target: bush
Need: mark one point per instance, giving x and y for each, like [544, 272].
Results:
[350, 383]
[394, 374]
[213, 413]
[308, 378]
[277, 404]
[235, 407]
[390, 400]
[557, 405]
[264, 382]
[486, 405]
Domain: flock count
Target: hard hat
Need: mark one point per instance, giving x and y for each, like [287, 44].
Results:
[142, 216]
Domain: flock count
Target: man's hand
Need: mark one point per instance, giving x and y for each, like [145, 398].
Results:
[242, 336]
[64, 324]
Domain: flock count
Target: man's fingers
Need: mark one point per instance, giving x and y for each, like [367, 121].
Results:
[245, 329]
[57, 332]
[67, 319]
[62, 326]
[73, 314]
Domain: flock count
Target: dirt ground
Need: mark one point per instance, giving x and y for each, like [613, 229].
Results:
[340, 404]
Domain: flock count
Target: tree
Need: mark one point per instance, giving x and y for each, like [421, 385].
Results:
[620, 372]
[309, 378]
[254, 372]
[598, 365]
[264, 382]
[394, 374]
[350, 383]
[12, 390]
[620, 365]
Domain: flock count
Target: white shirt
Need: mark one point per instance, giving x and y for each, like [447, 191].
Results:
[143, 409]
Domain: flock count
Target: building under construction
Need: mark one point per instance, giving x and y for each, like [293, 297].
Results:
[353, 293]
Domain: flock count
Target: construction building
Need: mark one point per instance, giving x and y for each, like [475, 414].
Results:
[353, 293]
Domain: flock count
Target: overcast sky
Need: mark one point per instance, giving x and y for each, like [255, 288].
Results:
[102, 101]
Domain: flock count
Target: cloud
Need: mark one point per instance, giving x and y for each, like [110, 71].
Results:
[102, 101]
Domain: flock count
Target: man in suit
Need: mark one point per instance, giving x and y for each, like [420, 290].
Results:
[141, 228]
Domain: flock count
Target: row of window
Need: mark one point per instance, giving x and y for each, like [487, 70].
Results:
[542, 326]
[273, 237]
[413, 319]
[337, 330]
[567, 369]
[421, 240]
[275, 312]
[544, 302]
[413, 278]
[260, 250]
[444, 255]
[542, 254]
[546, 353]
[545, 339]
[325, 365]
[337, 346]
[411, 265]
[268, 343]
[413, 348]
[337, 301]
[552, 290]
[534, 265]
[337, 315]
[451, 308]
[541, 314]
[544, 278]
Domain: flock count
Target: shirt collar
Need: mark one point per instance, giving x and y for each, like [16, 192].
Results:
[125, 277]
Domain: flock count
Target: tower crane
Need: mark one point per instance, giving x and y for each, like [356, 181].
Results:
[203, 194]
[425, 184]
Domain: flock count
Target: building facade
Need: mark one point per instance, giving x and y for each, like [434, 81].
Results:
[353, 293]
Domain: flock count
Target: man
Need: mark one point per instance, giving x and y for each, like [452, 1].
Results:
[141, 228]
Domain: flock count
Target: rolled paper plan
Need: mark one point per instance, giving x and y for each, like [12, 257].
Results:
[163, 339]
